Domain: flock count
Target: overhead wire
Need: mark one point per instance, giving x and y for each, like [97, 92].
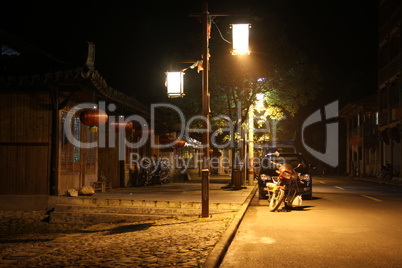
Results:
[199, 62]
[220, 33]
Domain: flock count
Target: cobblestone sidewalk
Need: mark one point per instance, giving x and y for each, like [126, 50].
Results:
[184, 241]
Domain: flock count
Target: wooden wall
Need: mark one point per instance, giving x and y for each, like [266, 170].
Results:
[25, 142]
[25, 149]
[109, 165]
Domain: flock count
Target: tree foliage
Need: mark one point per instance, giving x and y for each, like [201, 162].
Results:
[277, 69]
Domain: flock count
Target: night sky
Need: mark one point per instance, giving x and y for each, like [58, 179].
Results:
[136, 43]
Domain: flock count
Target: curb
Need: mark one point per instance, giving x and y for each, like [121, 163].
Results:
[218, 252]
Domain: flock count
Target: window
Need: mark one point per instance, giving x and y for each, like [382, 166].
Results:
[70, 154]
[394, 95]
[90, 159]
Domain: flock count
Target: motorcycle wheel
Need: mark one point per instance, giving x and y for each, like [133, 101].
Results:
[276, 200]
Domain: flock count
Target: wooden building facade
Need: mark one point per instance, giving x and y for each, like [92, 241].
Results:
[37, 156]
[25, 141]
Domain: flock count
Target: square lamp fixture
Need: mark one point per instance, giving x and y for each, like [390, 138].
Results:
[174, 84]
[240, 34]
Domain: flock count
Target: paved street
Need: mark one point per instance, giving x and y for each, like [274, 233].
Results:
[176, 242]
[349, 223]
[27, 240]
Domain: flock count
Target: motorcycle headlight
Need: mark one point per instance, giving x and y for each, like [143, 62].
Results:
[271, 185]
[286, 175]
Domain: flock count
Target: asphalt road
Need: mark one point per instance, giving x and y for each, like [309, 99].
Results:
[348, 223]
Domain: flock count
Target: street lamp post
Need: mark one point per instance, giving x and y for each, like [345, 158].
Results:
[251, 145]
[177, 91]
[258, 105]
[205, 111]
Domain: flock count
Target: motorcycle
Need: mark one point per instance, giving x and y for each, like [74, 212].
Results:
[150, 171]
[386, 172]
[287, 188]
[163, 171]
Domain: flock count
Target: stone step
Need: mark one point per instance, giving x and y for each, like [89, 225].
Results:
[127, 202]
[85, 210]
[68, 208]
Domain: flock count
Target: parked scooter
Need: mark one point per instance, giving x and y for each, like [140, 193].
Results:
[386, 172]
[162, 171]
[151, 171]
[286, 188]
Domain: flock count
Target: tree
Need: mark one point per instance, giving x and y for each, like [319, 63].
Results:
[283, 73]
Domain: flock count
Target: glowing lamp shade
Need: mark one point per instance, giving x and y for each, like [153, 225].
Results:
[179, 143]
[174, 84]
[93, 117]
[240, 33]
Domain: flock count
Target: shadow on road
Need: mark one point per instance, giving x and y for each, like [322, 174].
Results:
[129, 228]
[302, 208]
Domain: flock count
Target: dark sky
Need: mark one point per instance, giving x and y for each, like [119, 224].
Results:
[134, 43]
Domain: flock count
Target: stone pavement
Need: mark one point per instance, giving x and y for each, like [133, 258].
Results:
[180, 241]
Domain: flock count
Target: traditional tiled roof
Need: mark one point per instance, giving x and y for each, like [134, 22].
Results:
[99, 82]
[83, 78]
[91, 79]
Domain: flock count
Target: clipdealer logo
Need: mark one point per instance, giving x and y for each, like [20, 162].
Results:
[330, 156]
[187, 128]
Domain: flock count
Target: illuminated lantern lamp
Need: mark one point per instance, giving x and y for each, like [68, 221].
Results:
[240, 34]
[140, 132]
[93, 118]
[179, 143]
[165, 139]
[174, 84]
[120, 125]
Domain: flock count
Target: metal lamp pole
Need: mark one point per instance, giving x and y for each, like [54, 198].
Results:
[206, 107]
[251, 146]
[205, 111]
